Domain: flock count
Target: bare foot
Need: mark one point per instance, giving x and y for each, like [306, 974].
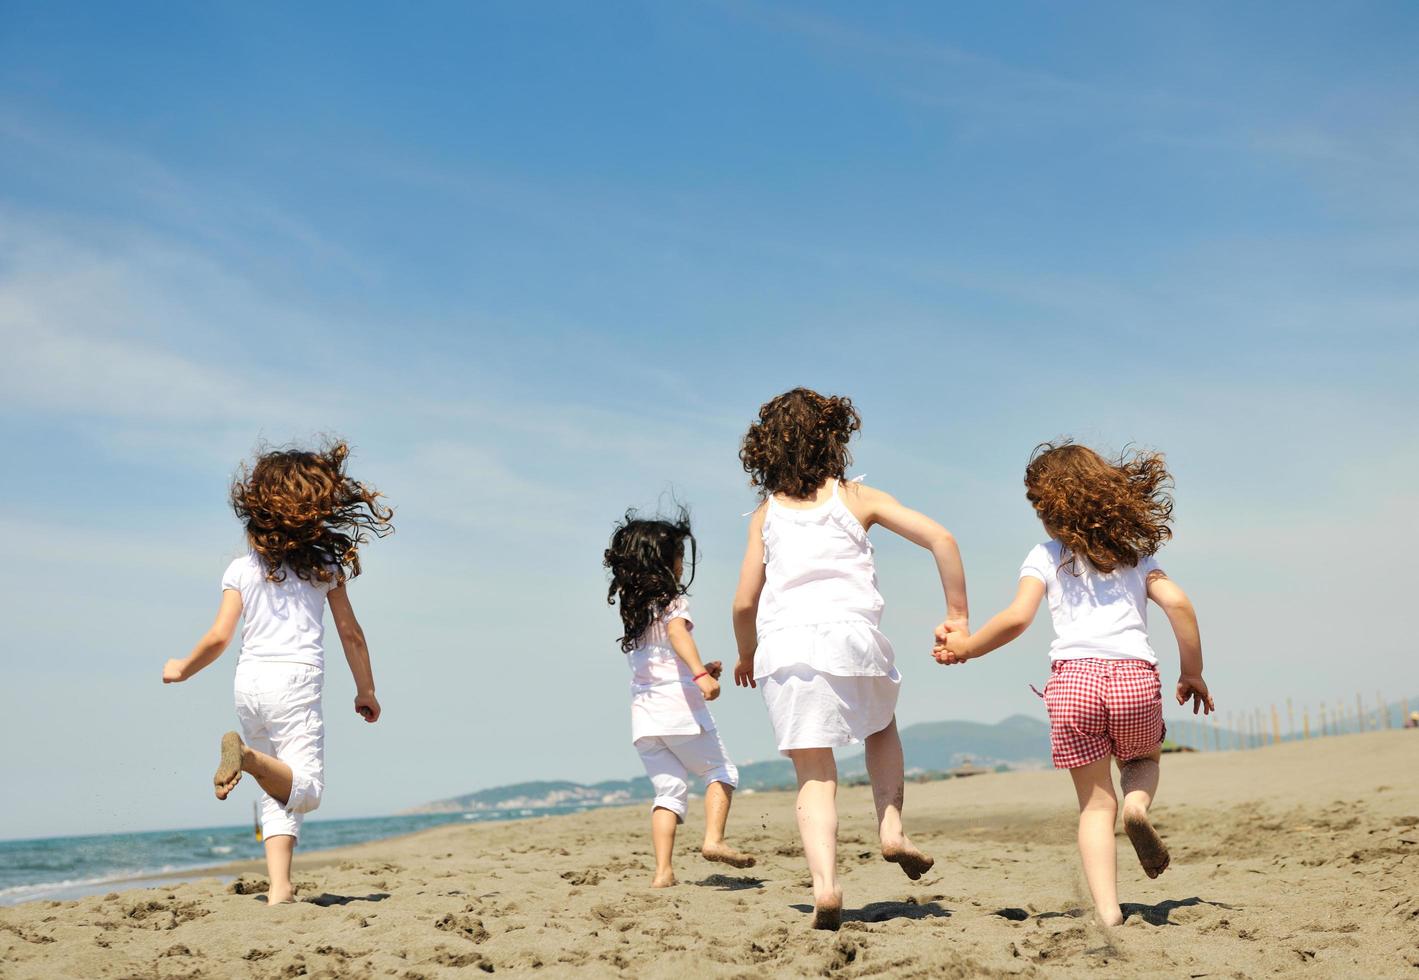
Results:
[287, 897]
[828, 910]
[725, 854]
[1152, 852]
[229, 768]
[663, 880]
[1114, 917]
[912, 861]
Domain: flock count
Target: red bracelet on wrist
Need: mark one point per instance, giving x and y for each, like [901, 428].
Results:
[703, 673]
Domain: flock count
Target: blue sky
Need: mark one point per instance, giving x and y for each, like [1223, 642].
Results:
[542, 262]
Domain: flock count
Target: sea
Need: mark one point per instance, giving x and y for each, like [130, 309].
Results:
[62, 868]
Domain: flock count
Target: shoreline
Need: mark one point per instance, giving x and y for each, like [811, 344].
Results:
[226, 871]
[1296, 859]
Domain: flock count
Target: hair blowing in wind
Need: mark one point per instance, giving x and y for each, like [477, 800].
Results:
[303, 513]
[641, 559]
[1109, 512]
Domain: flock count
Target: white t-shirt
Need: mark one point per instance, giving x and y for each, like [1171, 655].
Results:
[664, 700]
[282, 622]
[1095, 615]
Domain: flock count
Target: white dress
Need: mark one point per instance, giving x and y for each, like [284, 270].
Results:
[828, 674]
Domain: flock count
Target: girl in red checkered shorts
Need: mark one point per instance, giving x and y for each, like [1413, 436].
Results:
[1106, 520]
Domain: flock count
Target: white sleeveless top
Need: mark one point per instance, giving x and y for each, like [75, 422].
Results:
[820, 606]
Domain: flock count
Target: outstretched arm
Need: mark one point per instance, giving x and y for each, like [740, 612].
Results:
[357, 653]
[882, 508]
[1183, 619]
[746, 601]
[213, 642]
[956, 647]
[684, 646]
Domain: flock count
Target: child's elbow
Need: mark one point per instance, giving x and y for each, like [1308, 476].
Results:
[943, 540]
[1177, 604]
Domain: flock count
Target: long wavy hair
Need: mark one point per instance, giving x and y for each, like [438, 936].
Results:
[641, 559]
[304, 514]
[799, 441]
[1110, 512]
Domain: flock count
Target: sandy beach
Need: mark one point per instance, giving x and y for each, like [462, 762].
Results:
[1295, 860]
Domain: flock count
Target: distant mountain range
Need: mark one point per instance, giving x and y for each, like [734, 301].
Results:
[933, 748]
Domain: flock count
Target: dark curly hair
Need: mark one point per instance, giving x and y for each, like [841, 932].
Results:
[1111, 512]
[304, 514]
[799, 441]
[641, 560]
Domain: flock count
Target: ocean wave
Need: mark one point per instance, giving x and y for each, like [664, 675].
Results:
[15, 894]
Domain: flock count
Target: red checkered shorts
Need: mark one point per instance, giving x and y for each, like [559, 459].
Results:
[1098, 708]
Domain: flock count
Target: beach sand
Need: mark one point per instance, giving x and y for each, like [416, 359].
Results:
[1294, 860]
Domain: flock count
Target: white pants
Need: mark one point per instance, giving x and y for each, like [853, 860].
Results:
[278, 706]
[669, 760]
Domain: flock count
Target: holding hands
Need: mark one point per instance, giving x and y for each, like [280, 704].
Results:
[953, 643]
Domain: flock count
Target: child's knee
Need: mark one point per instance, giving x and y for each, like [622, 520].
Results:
[726, 772]
[1100, 803]
[671, 793]
[307, 789]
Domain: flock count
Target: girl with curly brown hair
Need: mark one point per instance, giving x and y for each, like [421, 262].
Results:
[806, 618]
[1106, 519]
[671, 724]
[305, 520]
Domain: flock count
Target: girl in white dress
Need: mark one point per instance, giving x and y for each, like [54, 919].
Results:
[671, 725]
[806, 618]
[305, 520]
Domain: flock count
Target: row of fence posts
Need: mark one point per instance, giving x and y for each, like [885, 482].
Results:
[1255, 728]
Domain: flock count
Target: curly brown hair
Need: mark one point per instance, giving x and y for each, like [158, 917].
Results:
[304, 514]
[1111, 512]
[799, 441]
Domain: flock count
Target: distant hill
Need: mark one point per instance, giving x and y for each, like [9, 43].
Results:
[932, 747]
[942, 745]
